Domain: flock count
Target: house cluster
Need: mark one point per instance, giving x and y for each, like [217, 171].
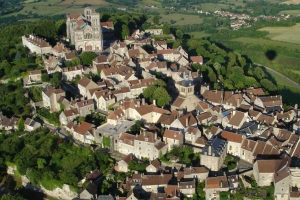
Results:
[246, 124]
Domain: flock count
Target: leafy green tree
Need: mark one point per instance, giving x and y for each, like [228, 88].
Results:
[166, 30]
[21, 124]
[41, 163]
[268, 85]
[75, 61]
[156, 19]
[134, 165]
[12, 197]
[87, 58]
[179, 33]
[5, 66]
[56, 80]
[45, 77]
[136, 127]
[148, 92]
[125, 31]
[161, 96]
[258, 73]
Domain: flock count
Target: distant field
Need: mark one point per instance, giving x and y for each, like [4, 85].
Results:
[286, 34]
[151, 2]
[212, 6]
[292, 2]
[199, 34]
[290, 12]
[296, 71]
[262, 41]
[290, 93]
[187, 19]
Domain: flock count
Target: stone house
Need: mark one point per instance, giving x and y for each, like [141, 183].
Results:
[52, 65]
[191, 135]
[234, 142]
[263, 171]
[154, 31]
[51, 97]
[187, 188]
[85, 107]
[183, 123]
[84, 85]
[213, 131]
[34, 76]
[9, 123]
[231, 100]
[236, 120]
[247, 149]
[154, 166]
[189, 173]
[150, 183]
[36, 44]
[68, 73]
[84, 132]
[214, 153]
[213, 97]
[31, 125]
[215, 185]
[159, 45]
[122, 165]
[68, 116]
[269, 103]
[173, 138]
[103, 99]
[196, 60]
[146, 145]
[59, 50]
[116, 117]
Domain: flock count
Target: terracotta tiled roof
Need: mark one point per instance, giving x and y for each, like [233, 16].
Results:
[268, 166]
[216, 182]
[128, 158]
[256, 92]
[72, 112]
[213, 96]
[201, 141]
[189, 118]
[192, 130]
[127, 138]
[175, 135]
[270, 101]
[85, 103]
[73, 16]
[155, 163]
[236, 119]
[203, 116]
[232, 137]
[35, 72]
[178, 102]
[83, 128]
[160, 42]
[248, 145]
[84, 81]
[107, 24]
[196, 59]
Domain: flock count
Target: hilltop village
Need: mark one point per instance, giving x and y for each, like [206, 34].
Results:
[234, 136]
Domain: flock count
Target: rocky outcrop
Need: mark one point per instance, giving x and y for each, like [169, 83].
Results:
[59, 193]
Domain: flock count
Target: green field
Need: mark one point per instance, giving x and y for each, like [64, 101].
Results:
[212, 6]
[262, 41]
[201, 34]
[290, 12]
[286, 34]
[181, 19]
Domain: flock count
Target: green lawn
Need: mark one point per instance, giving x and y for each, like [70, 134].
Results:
[181, 19]
[262, 41]
[285, 34]
[290, 93]
[212, 6]
[199, 34]
[290, 12]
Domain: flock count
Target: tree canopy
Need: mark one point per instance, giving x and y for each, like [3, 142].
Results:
[87, 58]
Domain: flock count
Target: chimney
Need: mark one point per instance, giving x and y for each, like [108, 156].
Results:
[154, 102]
[155, 136]
[143, 101]
[209, 150]
[144, 132]
[187, 122]
[296, 106]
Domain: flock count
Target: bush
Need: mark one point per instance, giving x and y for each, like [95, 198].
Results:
[52, 118]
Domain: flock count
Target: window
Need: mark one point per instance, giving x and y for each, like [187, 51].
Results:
[230, 147]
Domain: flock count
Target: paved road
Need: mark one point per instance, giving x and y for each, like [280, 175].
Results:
[279, 74]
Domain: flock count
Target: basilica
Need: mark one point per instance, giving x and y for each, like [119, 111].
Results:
[85, 31]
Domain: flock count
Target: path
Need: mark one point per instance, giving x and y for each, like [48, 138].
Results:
[279, 74]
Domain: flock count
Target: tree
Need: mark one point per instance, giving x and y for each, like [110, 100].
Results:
[21, 124]
[179, 33]
[56, 80]
[162, 97]
[166, 30]
[136, 127]
[75, 61]
[125, 31]
[268, 85]
[87, 58]
[41, 163]
[156, 19]
[148, 92]
[45, 77]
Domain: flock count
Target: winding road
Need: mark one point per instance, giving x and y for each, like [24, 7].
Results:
[279, 74]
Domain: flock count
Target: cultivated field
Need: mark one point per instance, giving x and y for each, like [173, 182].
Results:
[290, 12]
[286, 34]
[292, 2]
[181, 19]
[212, 6]
[268, 42]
